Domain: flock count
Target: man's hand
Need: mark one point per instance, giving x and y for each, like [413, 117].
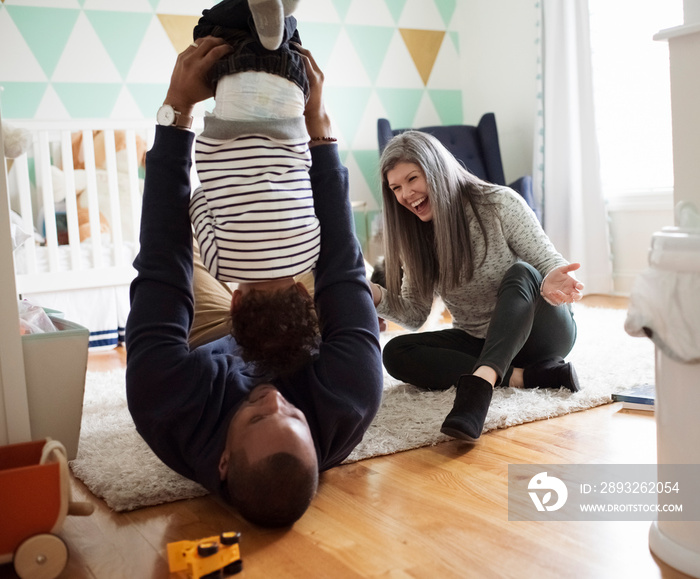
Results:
[188, 83]
[560, 287]
[318, 123]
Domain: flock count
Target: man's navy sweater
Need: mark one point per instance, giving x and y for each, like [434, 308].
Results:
[182, 400]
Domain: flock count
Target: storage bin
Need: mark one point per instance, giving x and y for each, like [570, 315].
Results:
[678, 397]
[665, 305]
[55, 364]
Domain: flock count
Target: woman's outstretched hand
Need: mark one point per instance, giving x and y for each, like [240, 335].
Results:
[560, 287]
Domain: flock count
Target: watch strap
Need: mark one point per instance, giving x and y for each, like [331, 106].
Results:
[177, 120]
[182, 121]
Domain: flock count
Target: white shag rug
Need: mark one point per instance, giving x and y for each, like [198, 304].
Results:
[117, 465]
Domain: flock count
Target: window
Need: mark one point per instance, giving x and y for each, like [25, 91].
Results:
[631, 91]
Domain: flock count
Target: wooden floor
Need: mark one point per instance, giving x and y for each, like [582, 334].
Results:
[437, 512]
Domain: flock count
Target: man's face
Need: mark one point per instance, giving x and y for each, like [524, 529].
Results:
[265, 424]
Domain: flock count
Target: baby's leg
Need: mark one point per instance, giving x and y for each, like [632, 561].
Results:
[268, 16]
[290, 6]
[212, 305]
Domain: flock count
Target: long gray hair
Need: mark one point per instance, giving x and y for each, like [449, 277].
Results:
[439, 253]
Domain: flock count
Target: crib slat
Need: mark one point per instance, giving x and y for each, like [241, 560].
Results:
[134, 189]
[45, 182]
[25, 208]
[113, 189]
[93, 207]
[70, 199]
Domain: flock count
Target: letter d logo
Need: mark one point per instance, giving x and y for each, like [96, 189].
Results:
[547, 483]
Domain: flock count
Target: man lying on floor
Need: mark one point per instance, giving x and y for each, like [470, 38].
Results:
[257, 442]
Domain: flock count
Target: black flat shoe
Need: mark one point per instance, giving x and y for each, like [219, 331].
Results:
[551, 373]
[466, 419]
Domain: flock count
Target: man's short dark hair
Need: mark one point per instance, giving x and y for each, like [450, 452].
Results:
[276, 330]
[274, 492]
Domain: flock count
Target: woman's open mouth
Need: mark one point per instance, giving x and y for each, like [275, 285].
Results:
[420, 205]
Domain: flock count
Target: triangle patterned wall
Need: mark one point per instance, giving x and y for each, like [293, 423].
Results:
[397, 59]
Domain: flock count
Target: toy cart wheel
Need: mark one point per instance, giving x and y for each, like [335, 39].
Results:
[41, 557]
[233, 568]
[229, 538]
[207, 549]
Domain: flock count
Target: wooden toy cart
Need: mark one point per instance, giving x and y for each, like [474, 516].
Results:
[34, 501]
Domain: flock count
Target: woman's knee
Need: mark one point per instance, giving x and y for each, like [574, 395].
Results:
[395, 353]
[523, 277]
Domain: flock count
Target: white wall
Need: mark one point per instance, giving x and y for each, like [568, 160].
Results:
[633, 220]
[499, 67]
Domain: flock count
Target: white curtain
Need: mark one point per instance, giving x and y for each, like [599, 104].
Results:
[575, 216]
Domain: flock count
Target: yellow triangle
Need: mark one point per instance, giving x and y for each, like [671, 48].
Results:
[179, 29]
[423, 45]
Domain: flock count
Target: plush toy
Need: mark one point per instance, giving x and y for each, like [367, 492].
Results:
[100, 154]
[129, 230]
[269, 16]
[58, 184]
[17, 140]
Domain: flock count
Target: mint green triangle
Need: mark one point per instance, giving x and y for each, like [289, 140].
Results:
[368, 162]
[396, 8]
[154, 4]
[348, 105]
[448, 104]
[121, 34]
[45, 30]
[85, 100]
[446, 9]
[342, 7]
[320, 39]
[401, 105]
[148, 97]
[454, 35]
[371, 44]
[20, 100]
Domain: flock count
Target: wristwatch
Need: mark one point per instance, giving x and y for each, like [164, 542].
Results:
[168, 117]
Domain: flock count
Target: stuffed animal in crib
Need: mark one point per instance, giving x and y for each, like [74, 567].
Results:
[58, 184]
[129, 230]
[16, 140]
[100, 150]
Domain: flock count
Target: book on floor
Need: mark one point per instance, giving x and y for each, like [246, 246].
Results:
[639, 397]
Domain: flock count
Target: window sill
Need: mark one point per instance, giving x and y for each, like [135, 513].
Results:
[650, 200]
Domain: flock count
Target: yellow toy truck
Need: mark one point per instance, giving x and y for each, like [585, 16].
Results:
[211, 556]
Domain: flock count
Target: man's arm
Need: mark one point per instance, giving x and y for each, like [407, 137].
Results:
[162, 302]
[349, 366]
[167, 387]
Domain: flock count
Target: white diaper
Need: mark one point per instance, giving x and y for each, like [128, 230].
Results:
[251, 95]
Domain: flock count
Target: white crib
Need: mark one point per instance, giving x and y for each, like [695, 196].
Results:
[77, 193]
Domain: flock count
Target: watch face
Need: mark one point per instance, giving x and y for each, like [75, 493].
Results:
[166, 115]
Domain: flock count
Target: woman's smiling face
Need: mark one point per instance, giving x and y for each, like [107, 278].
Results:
[408, 183]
